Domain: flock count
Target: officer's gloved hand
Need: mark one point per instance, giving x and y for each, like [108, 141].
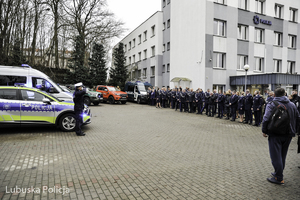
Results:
[87, 89]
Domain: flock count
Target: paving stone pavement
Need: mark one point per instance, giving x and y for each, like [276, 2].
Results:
[139, 152]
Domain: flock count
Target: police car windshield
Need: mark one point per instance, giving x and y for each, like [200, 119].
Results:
[51, 95]
[111, 89]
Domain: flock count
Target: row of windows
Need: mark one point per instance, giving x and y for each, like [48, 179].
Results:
[260, 7]
[132, 43]
[152, 71]
[131, 59]
[219, 61]
[243, 34]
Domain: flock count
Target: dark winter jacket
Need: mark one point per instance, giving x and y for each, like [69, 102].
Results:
[292, 110]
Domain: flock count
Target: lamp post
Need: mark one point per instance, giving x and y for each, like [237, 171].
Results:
[246, 68]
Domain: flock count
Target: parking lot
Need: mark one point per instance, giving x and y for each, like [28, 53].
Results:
[136, 151]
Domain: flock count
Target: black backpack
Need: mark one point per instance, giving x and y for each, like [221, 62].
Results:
[280, 120]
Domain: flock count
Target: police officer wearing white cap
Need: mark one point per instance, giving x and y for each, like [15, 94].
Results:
[78, 107]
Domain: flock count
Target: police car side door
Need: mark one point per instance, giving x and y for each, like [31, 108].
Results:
[9, 107]
[33, 110]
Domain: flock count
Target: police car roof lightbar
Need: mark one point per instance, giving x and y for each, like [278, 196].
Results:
[25, 65]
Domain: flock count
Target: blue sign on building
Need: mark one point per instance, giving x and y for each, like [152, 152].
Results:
[256, 21]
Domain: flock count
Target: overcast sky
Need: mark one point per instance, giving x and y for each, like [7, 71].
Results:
[133, 12]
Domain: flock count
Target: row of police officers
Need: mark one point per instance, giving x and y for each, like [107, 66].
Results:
[227, 104]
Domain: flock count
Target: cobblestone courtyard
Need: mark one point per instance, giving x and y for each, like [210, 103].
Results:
[139, 152]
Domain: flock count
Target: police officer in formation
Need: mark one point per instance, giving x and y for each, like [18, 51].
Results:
[257, 106]
[225, 104]
[78, 107]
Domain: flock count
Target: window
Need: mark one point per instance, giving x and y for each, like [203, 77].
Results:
[153, 71]
[133, 43]
[220, 1]
[139, 73]
[168, 23]
[259, 6]
[145, 72]
[168, 46]
[129, 60]
[31, 96]
[41, 84]
[277, 66]
[164, 3]
[164, 26]
[153, 30]
[125, 47]
[133, 58]
[163, 68]
[145, 35]
[129, 46]
[242, 61]
[243, 4]
[259, 64]
[145, 54]
[164, 47]
[140, 39]
[219, 60]
[169, 1]
[219, 28]
[293, 14]
[279, 11]
[278, 39]
[291, 67]
[12, 80]
[168, 67]
[140, 56]
[259, 35]
[242, 32]
[292, 41]
[10, 94]
[153, 51]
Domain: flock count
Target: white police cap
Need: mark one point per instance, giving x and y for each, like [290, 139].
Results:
[78, 84]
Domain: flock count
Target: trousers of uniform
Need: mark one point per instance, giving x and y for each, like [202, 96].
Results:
[199, 105]
[203, 106]
[248, 116]
[211, 108]
[173, 103]
[176, 104]
[153, 101]
[180, 105]
[220, 109]
[257, 115]
[78, 117]
[191, 107]
[233, 112]
[278, 148]
[186, 107]
[163, 103]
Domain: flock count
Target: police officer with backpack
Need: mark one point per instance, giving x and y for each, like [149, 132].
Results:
[280, 123]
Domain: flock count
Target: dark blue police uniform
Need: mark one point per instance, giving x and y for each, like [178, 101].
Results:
[257, 105]
[248, 106]
[233, 100]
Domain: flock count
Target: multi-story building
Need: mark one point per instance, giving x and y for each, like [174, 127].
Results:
[207, 43]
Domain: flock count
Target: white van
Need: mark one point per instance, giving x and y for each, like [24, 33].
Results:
[25, 75]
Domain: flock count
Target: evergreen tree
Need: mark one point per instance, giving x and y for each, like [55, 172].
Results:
[97, 64]
[16, 59]
[119, 74]
[78, 72]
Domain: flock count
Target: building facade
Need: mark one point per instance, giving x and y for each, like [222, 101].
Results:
[207, 43]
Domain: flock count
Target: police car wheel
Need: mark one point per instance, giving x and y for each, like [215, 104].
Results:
[138, 101]
[87, 101]
[111, 100]
[67, 122]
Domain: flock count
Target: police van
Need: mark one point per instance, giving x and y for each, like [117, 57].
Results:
[26, 76]
[137, 91]
[22, 106]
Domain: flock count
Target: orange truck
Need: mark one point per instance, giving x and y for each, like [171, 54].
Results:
[111, 94]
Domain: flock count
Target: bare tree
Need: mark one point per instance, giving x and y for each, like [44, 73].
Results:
[91, 20]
